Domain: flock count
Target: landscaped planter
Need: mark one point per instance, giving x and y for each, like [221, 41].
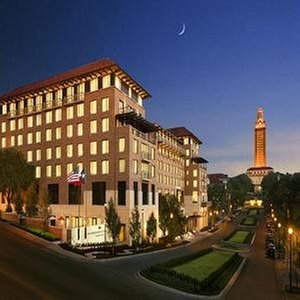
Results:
[240, 237]
[249, 221]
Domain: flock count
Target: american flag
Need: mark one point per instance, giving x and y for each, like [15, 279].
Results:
[74, 177]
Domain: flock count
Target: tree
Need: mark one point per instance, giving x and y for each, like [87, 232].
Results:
[44, 208]
[18, 203]
[31, 200]
[151, 227]
[15, 174]
[135, 227]
[171, 217]
[113, 222]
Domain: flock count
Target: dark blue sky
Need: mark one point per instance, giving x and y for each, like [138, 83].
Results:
[235, 56]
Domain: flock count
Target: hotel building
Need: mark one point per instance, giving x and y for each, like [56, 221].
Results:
[93, 117]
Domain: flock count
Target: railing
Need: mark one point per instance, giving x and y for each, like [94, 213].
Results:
[149, 137]
[171, 144]
[146, 155]
[146, 175]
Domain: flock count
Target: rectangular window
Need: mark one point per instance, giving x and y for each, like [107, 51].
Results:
[48, 171]
[20, 123]
[3, 127]
[105, 124]
[121, 144]
[74, 194]
[195, 173]
[93, 126]
[105, 104]
[38, 120]
[94, 84]
[153, 193]
[20, 139]
[105, 81]
[58, 170]
[80, 149]
[53, 193]
[195, 196]
[135, 146]
[58, 133]
[105, 167]
[48, 135]
[48, 117]
[37, 172]
[122, 165]
[70, 150]
[105, 146]
[58, 152]
[3, 142]
[29, 138]
[87, 86]
[135, 166]
[145, 193]
[70, 112]
[29, 156]
[93, 107]
[80, 129]
[12, 125]
[80, 110]
[93, 168]
[121, 192]
[38, 154]
[136, 192]
[99, 193]
[58, 115]
[195, 183]
[48, 153]
[93, 148]
[69, 131]
[30, 121]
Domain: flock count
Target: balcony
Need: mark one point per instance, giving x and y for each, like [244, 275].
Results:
[146, 156]
[170, 145]
[146, 175]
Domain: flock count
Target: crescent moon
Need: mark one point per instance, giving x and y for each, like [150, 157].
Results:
[182, 30]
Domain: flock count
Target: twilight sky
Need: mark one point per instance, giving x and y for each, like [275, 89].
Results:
[234, 56]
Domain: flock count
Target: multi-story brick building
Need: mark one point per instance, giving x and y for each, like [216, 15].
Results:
[93, 117]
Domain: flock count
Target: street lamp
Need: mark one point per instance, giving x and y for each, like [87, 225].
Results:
[290, 232]
[279, 239]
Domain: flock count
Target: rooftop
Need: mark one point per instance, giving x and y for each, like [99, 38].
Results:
[183, 132]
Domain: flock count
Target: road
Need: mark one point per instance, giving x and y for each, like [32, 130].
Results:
[30, 269]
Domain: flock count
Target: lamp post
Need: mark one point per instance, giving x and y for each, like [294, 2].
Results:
[290, 232]
[105, 208]
[279, 239]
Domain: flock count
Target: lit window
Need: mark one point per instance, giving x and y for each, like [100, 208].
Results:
[105, 124]
[48, 117]
[12, 141]
[187, 162]
[105, 104]
[3, 127]
[49, 153]
[187, 152]
[152, 171]
[38, 120]
[20, 140]
[48, 135]
[80, 110]
[122, 165]
[152, 153]
[80, 149]
[94, 84]
[12, 125]
[70, 131]
[106, 81]
[29, 156]
[37, 172]
[93, 126]
[195, 196]
[121, 144]
[58, 133]
[93, 148]
[58, 170]
[135, 166]
[135, 146]
[3, 142]
[105, 166]
[20, 123]
[195, 173]
[93, 107]
[80, 129]
[30, 121]
[195, 183]
[70, 150]
[48, 171]
[70, 112]
[4, 109]
[38, 154]
[69, 168]
[105, 146]
[38, 136]
[29, 138]
[58, 115]
[93, 168]
[58, 152]
[186, 141]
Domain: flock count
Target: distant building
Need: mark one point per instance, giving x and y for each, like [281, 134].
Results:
[260, 168]
[93, 118]
[216, 178]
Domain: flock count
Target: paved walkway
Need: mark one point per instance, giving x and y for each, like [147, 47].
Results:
[258, 280]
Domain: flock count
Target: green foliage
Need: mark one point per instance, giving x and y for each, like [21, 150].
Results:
[240, 236]
[171, 217]
[15, 174]
[31, 200]
[44, 208]
[135, 227]
[18, 203]
[151, 227]
[112, 220]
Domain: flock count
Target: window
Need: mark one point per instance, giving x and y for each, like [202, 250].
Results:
[80, 149]
[105, 146]
[29, 156]
[74, 194]
[105, 104]
[187, 162]
[3, 127]
[48, 117]
[145, 193]
[99, 193]
[135, 166]
[38, 154]
[38, 120]
[12, 125]
[153, 193]
[152, 171]
[20, 123]
[20, 139]
[29, 138]
[195, 196]
[93, 126]
[135, 146]
[93, 107]
[70, 150]
[121, 192]
[105, 81]
[69, 131]
[152, 153]
[30, 121]
[87, 86]
[58, 170]
[3, 142]
[195, 173]
[58, 152]
[121, 144]
[105, 124]
[37, 172]
[195, 183]
[70, 112]
[80, 129]
[48, 171]
[80, 110]
[105, 166]
[122, 165]
[48, 135]
[58, 115]
[93, 148]
[136, 192]
[58, 133]
[48, 153]
[53, 193]
[93, 168]
[69, 168]
[38, 137]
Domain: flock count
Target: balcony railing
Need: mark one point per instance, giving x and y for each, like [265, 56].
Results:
[146, 155]
[146, 175]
